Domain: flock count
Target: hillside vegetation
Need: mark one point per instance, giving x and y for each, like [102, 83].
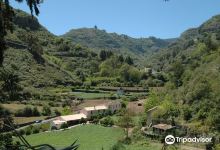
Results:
[37, 61]
[192, 65]
[98, 40]
[31, 56]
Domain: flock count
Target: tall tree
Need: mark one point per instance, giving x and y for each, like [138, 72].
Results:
[5, 116]
[126, 122]
[178, 70]
[10, 83]
[35, 47]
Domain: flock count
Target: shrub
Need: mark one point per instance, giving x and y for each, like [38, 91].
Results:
[51, 104]
[27, 112]
[19, 113]
[137, 134]
[28, 131]
[66, 110]
[118, 146]
[36, 130]
[35, 112]
[126, 140]
[82, 120]
[124, 98]
[21, 132]
[46, 111]
[107, 122]
[45, 127]
[143, 120]
[95, 120]
[187, 113]
[133, 98]
[53, 128]
[113, 97]
[57, 112]
[64, 126]
[123, 104]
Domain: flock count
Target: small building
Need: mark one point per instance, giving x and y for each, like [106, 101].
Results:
[101, 109]
[86, 113]
[69, 119]
[114, 106]
[162, 128]
[73, 119]
[95, 110]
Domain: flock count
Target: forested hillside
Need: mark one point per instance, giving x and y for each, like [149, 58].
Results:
[97, 40]
[33, 58]
[192, 65]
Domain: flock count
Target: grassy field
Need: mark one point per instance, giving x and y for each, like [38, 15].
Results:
[90, 137]
[91, 95]
[20, 120]
[14, 107]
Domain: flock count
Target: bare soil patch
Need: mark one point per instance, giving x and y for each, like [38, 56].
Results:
[136, 107]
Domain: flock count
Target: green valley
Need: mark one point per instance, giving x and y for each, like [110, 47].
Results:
[107, 91]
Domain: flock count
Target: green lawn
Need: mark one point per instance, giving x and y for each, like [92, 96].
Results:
[90, 137]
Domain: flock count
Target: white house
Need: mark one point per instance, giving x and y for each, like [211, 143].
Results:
[95, 110]
[86, 113]
[69, 119]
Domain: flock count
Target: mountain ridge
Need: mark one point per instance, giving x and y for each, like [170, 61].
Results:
[97, 40]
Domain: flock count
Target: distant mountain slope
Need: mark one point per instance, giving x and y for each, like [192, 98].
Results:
[99, 39]
[185, 45]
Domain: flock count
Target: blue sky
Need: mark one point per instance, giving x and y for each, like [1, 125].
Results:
[136, 18]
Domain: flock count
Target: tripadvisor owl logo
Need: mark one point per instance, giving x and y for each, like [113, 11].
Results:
[169, 139]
